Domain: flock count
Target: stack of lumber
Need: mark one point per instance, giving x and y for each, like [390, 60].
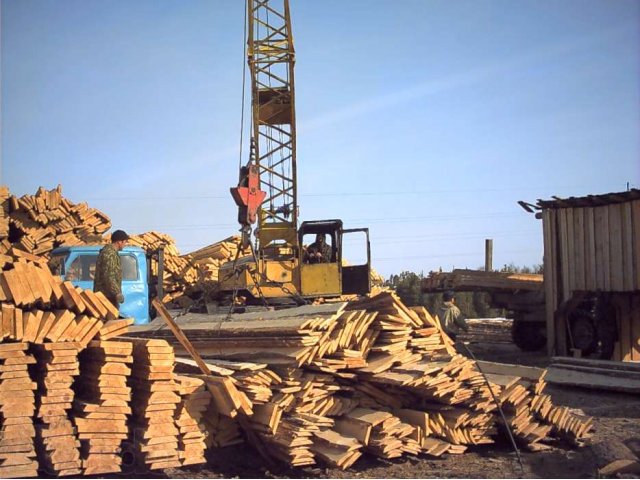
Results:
[471, 280]
[4, 211]
[58, 445]
[335, 449]
[487, 330]
[194, 403]
[17, 399]
[329, 383]
[284, 337]
[102, 405]
[179, 273]
[208, 259]
[47, 220]
[594, 374]
[154, 403]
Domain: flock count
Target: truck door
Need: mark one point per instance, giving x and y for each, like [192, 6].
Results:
[356, 250]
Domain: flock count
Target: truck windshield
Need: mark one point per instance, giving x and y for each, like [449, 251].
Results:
[83, 268]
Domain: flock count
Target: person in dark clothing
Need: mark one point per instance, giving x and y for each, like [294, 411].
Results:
[108, 276]
[450, 316]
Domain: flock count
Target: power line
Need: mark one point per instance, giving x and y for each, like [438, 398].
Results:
[349, 194]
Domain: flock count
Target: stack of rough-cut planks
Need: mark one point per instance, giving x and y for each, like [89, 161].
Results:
[208, 259]
[487, 330]
[39, 307]
[154, 403]
[194, 402]
[58, 445]
[4, 211]
[17, 408]
[47, 220]
[286, 337]
[179, 273]
[370, 377]
[102, 405]
[463, 279]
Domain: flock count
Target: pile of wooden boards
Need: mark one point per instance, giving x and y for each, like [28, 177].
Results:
[57, 441]
[208, 259]
[595, 374]
[478, 280]
[368, 377]
[4, 211]
[39, 223]
[178, 272]
[194, 403]
[487, 330]
[17, 410]
[155, 399]
[102, 405]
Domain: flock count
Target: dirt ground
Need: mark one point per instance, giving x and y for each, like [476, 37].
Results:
[617, 419]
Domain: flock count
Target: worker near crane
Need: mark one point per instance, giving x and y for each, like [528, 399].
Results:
[319, 251]
[451, 318]
[108, 276]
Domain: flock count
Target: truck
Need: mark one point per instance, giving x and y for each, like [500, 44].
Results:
[77, 264]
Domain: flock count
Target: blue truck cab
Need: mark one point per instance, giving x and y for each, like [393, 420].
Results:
[77, 264]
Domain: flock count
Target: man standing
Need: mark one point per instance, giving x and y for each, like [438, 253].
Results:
[450, 317]
[108, 277]
[319, 251]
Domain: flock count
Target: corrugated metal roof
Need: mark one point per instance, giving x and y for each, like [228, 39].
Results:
[587, 201]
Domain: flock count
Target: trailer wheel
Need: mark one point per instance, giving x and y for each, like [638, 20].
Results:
[528, 336]
[583, 332]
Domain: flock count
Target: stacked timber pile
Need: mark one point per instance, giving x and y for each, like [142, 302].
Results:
[594, 374]
[179, 273]
[154, 403]
[101, 406]
[17, 399]
[39, 223]
[469, 280]
[487, 330]
[208, 259]
[58, 445]
[4, 211]
[194, 402]
[53, 321]
[370, 377]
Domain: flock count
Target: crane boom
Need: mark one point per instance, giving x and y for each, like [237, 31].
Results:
[271, 57]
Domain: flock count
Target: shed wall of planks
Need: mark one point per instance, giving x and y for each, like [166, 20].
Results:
[594, 248]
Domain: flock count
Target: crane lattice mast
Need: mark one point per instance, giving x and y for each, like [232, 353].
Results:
[273, 140]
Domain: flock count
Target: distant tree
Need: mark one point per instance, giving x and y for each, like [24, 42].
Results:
[513, 268]
[407, 286]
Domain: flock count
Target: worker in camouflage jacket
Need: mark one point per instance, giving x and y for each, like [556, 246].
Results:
[450, 316]
[108, 276]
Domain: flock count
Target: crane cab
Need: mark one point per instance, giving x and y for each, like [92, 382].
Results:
[284, 274]
[333, 277]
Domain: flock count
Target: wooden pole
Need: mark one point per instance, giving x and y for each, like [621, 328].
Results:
[488, 255]
[166, 316]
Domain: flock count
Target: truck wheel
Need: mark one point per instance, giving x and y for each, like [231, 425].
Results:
[528, 336]
[583, 332]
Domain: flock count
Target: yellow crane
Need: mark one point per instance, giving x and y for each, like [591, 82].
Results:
[280, 267]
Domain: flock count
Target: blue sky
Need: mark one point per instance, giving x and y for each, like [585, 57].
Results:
[425, 121]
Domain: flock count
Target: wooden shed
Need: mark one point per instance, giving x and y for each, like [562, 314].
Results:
[592, 254]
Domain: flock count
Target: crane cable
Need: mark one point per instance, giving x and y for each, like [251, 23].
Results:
[504, 419]
[244, 81]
